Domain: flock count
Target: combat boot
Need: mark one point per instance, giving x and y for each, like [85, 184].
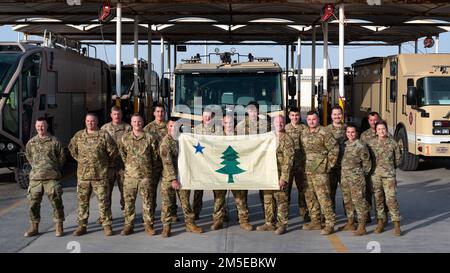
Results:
[99, 221]
[175, 219]
[59, 231]
[191, 227]
[306, 218]
[265, 227]
[33, 230]
[149, 229]
[380, 226]
[166, 231]
[361, 230]
[218, 224]
[108, 230]
[368, 218]
[246, 226]
[327, 230]
[280, 230]
[350, 225]
[397, 231]
[312, 226]
[127, 230]
[81, 230]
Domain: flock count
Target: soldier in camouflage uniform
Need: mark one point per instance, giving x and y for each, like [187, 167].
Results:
[321, 150]
[294, 130]
[93, 149]
[338, 131]
[285, 156]
[368, 137]
[356, 164]
[239, 195]
[168, 150]
[139, 152]
[207, 127]
[253, 124]
[158, 128]
[46, 157]
[116, 128]
[387, 156]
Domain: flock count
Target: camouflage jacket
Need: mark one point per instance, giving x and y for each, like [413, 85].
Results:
[159, 129]
[46, 157]
[285, 155]
[139, 154]
[247, 127]
[212, 129]
[93, 153]
[338, 134]
[387, 156]
[368, 136]
[299, 152]
[356, 158]
[168, 150]
[321, 150]
[116, 132]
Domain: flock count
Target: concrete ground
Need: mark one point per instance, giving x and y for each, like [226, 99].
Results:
[423, 198]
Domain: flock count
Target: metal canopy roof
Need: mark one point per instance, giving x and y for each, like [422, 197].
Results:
[280, 21]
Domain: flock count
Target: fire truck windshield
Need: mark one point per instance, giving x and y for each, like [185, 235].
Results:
[434, 90]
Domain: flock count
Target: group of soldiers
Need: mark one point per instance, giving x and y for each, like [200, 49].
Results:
[139, 158]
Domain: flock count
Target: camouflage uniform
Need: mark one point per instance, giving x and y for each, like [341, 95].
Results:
[240, 199]
[139, 154]
[356, 164]
[46, 157]
[285, 155]
[168, 150]
[321, 150]
[298, 169]
[335, 174]
[368, 137]
[248, 127]
[387, 156]
[116, 167]
[93, 152]
[200, 129]
[159, 131]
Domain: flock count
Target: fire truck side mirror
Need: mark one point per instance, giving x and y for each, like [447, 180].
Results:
[292, 86]
[411, 96]
[32, 85]
[164, 88]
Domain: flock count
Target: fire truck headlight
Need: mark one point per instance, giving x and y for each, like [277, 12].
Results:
[10, 146]
[2, 146]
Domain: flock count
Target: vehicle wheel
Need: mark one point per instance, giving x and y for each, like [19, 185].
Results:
[22, 178]
[410, 162]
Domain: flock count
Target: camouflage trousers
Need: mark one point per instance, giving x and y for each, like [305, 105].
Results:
[353, 187]
[198, 202]
[240, 200]
[369, 193]
[298, 177]
[280, 205]
[156, 179]
[116, 174]
[131, 187]
[169, 199]
[101, 190]
[317, 194]
[54, 193]
[385, 190]
[335, 180]
[261, 198]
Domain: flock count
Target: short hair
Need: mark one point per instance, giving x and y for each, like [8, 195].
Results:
[208, 109]
[337, 107]
[137, 115]
[254, 103]
[312, 112]
[174, 119]
[373, 113]
[41, 119]
[279, 116]
[228, 116]
[94, 115]
[351, 125]
[294, 109]
[116, 108]
[381, 122]
[160, 105]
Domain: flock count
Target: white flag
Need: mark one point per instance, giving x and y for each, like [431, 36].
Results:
[246, 162]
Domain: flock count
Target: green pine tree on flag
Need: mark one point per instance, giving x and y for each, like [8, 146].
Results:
[229, 160]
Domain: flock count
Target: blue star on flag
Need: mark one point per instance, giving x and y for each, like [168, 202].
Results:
[198, 148]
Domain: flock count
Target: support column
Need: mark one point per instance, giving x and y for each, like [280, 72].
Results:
[299, 74]
[286, 91]
[400, 49]
[149, 75]
[416, 47]
[135, 65]
[118, 52]
[436, 44]
[341, 58]
[162, 62]
[325, 75]
[313, 69]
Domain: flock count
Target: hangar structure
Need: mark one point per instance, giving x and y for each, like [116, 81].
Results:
[284, 22]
